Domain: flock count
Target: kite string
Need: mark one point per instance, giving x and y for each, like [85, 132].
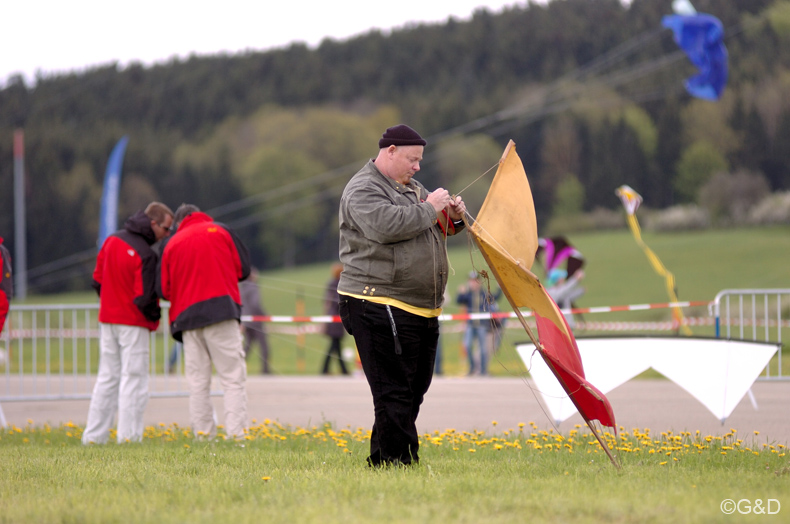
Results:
[447, 254]
[477, 179]
[485, 275]
[450, 267]
[518, 313]
[491, 238]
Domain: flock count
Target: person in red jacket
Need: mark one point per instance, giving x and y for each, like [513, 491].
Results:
[202, 265]
[125, 279]
[6, 284]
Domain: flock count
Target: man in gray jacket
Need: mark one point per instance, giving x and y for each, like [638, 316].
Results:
[253, 330]
[392, 247]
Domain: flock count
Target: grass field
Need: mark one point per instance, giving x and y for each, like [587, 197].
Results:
[317, 474]
[617, 273]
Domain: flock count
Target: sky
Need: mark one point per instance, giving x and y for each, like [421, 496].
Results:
[56, 36]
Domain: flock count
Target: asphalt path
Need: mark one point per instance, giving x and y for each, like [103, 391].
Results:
[492, 404]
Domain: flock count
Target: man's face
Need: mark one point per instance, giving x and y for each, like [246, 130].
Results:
[405, 162]
[162, 230]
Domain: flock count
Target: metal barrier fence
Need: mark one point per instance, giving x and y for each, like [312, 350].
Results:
[51, 352]
[753, 314]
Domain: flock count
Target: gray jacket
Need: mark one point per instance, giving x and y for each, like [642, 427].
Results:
[390, 242]
[250, 301]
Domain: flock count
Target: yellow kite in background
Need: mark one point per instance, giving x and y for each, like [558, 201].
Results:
[631, 201]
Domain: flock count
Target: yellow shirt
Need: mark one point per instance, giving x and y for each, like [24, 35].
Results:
[419, 311]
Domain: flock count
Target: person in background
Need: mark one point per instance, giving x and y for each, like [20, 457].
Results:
[565, 290]
[393, 250]
[6, 283]
[333, 330]
[201, 268]
[125, 279]
[563, 264]
[253, 330]
[475, 299]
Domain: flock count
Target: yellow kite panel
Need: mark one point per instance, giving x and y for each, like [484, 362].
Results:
[520, 285]
[507, 217]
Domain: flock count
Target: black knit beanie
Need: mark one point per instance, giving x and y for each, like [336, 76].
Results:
[401, 135]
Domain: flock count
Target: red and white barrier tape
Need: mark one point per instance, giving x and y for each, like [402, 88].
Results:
[325, 319]
[313, 324]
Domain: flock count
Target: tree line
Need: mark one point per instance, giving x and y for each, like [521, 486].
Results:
[591, 91]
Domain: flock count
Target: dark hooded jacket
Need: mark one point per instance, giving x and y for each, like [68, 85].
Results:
[125, 276]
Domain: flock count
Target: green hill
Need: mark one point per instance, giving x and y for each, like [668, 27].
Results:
[617, 273]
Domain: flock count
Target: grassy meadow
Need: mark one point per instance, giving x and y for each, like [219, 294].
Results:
[617, 272]
[317, 474]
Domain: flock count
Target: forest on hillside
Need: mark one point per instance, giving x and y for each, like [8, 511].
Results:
[591, 91]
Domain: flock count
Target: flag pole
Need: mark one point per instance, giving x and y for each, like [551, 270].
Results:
[20, 229]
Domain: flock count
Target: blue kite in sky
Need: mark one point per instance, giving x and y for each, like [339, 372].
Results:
[700, 36]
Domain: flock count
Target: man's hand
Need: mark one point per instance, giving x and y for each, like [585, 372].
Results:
[457, 208]
[441, 200]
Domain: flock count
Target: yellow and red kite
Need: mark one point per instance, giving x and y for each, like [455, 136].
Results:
[506, 233]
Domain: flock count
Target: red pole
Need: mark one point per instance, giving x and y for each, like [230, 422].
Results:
[20, 236]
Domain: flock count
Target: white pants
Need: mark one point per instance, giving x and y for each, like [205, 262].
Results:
[122, 384]
[222, 344]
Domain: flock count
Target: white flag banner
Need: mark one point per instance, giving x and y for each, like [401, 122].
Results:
[716, 372]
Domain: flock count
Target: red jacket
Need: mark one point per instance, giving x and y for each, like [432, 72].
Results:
[6, 284]
[202, 265]
[125, 276]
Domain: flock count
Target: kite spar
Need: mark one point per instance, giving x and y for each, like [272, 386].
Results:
[505, 231]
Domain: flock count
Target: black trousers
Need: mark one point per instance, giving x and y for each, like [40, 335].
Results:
[256, 333]
[398, 382]
[334, 352]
